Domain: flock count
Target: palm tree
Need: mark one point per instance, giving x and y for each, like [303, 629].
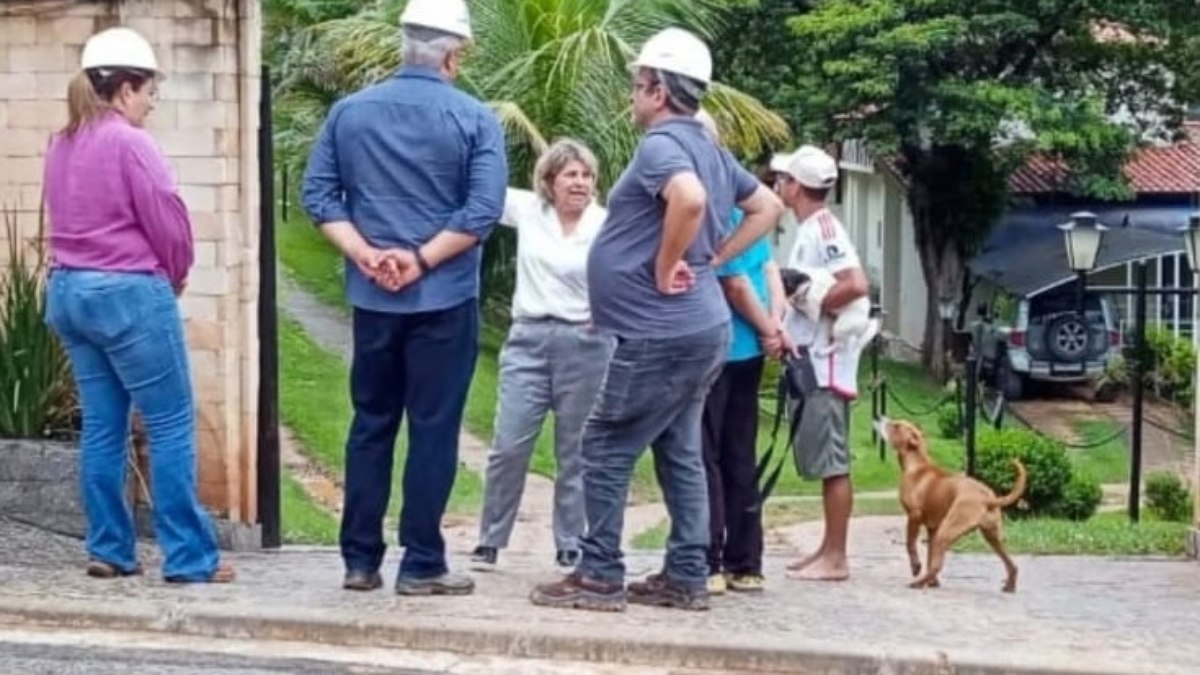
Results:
[548, 68]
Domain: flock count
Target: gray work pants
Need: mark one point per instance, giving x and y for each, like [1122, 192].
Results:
[545, 366]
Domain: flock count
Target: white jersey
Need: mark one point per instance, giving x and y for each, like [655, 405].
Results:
[822, 242]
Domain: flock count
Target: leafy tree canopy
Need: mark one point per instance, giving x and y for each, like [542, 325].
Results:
[960, 92]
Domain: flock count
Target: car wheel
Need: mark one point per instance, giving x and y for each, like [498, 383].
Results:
[1068, 338]
[1010, 382]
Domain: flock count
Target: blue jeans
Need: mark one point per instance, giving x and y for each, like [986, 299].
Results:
[653, 395]
[421, 364]
[125, 339]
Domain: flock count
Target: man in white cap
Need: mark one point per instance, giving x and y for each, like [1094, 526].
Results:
[407, 179]
[822, 442]
[652, 285]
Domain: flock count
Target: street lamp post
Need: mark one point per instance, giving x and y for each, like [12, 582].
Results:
[1083, 236]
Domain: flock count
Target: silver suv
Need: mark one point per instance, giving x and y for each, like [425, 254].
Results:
[1041, 337]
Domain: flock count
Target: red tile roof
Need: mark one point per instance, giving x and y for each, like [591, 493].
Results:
[1153, 170]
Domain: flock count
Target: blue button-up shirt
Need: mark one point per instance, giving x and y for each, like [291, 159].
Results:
[404, 160]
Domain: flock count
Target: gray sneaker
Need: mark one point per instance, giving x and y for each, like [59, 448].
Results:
[445, 584]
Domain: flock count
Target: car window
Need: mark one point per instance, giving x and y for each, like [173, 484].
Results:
[1064, 300]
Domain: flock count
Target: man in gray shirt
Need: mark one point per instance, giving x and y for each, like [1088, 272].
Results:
[652, 285]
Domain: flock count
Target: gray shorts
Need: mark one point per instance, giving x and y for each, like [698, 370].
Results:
[822, 443]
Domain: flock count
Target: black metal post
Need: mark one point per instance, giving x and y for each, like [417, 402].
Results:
[958, 404]
[269, 477]
[972, 385]
[1081, 309]
[883, 413]
[1139, 375]
[875, 393]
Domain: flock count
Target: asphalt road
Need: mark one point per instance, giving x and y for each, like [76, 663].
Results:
[57, 659]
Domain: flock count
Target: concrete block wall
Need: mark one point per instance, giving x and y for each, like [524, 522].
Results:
[206, 121]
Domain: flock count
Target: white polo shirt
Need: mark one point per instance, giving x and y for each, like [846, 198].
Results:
[551, 266]
[822, 242]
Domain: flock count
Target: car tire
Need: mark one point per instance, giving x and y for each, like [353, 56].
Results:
[1010, 382]
[1068, 338]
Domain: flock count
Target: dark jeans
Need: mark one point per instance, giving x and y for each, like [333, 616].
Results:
[730, 436]
[420, 364]
[653, 395]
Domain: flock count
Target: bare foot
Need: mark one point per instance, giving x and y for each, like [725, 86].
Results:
[822, 570]
[801, 563]
[224, 574]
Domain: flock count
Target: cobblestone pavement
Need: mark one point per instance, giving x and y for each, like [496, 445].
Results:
[1071, 614]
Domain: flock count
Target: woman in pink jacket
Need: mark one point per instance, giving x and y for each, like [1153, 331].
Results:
[121, 247]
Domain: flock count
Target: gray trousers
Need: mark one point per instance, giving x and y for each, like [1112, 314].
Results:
[545, 366]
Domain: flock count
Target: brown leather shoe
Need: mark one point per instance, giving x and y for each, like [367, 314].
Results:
[660, 591]
[576, 591]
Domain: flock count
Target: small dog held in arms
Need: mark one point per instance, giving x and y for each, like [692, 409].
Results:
[852, 326]
[948, 505]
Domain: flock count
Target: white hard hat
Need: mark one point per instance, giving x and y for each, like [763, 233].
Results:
[448, 16]
[118, 48]
[677, 51]
[809, 165]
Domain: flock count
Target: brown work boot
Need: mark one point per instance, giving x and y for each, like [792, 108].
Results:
[576, 591]
[660, 591]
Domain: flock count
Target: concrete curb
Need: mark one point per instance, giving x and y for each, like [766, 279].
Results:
[674, 649]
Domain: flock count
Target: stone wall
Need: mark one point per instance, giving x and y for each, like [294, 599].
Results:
[206, 121]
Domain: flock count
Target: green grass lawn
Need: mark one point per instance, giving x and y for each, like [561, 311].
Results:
[1107, 463]
[304, 522]
[311, 261]
[1102, 534]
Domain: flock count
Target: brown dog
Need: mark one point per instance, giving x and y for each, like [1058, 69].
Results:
[949, 505]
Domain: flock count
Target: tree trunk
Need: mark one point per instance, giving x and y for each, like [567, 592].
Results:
[942, 267]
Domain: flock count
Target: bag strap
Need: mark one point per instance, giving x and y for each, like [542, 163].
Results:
[781, 398]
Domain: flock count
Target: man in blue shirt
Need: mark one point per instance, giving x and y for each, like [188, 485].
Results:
[652, 285]
[407, 179]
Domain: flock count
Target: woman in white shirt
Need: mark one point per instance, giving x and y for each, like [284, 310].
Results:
[553, 359]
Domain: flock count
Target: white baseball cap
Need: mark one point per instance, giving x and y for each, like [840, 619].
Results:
[808, 165]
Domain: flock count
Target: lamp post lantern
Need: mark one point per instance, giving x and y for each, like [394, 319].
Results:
[1082, 236]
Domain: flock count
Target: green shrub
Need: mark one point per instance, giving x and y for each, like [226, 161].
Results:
[37, 393]
[1045, 461]
[1081, 497]
[1167, 498]
[949, 421]
[1172, 362]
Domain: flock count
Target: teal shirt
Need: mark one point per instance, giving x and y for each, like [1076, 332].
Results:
[751, 264]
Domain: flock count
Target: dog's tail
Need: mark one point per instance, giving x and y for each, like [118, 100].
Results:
[1018, 489]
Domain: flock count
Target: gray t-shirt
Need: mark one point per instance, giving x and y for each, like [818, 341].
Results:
[624, 297]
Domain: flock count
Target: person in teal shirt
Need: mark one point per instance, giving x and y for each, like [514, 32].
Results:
[754, 290]
[730, 427]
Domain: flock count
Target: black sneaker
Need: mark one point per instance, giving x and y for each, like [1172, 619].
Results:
[484, 557]
[567, 559]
